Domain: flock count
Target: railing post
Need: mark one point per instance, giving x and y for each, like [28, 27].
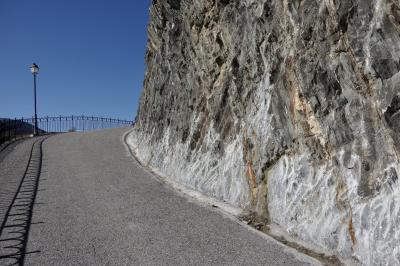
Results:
[15, 128]
[1, 132]
[9, 128]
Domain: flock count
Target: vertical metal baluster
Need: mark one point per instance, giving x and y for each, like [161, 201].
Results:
[9, 128]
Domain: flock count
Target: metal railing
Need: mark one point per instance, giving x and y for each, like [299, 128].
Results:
[13, 128]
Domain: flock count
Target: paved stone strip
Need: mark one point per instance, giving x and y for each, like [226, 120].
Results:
[14, 229]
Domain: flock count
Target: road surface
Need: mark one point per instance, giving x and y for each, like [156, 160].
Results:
[92, 204]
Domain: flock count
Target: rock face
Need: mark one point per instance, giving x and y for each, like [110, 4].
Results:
[289, 109]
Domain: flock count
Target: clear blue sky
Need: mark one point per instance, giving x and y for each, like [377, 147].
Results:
[90, 54]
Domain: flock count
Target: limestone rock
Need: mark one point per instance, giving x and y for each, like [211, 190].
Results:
[286, 108]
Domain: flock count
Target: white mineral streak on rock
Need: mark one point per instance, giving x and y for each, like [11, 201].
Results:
[376, 23]
[222, 179]
[303, 199]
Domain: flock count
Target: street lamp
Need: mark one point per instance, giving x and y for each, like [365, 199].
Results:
[35, 70]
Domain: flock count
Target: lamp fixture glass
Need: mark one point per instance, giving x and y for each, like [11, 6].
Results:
[34, 68]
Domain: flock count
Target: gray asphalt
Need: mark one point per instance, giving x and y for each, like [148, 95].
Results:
[97, 206]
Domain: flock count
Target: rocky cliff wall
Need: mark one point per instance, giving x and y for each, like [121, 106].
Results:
[289, 109]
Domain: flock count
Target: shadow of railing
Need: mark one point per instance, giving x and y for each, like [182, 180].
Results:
[14, 229]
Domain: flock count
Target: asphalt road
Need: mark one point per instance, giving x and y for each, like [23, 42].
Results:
[96, 206]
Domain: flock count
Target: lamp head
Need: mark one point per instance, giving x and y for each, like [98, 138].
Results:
[34, 69]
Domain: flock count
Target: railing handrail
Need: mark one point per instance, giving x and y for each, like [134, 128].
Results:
[95, 118]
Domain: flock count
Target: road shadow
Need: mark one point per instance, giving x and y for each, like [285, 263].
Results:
[14, 229]
[8, 148]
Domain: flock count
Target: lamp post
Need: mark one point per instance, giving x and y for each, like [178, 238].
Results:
[35, 70]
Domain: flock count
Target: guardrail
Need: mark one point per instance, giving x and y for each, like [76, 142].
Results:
[13, 128]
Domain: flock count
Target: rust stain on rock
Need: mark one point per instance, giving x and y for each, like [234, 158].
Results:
[252, 181]
[252, 176]
[344, 207]
[351, 229]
